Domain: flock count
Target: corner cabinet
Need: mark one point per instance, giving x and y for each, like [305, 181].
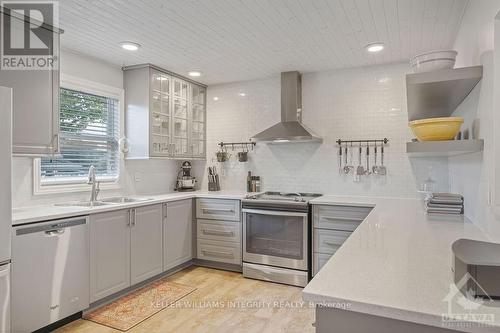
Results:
[165, 114]
[35, 102]
[177, 233]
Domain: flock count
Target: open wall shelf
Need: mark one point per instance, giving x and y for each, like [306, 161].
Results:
[438, 93]
[443, 148]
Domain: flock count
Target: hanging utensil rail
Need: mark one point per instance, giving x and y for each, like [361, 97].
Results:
[237, 144]
[384, 141]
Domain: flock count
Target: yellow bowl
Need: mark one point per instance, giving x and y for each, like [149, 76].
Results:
[436, 129]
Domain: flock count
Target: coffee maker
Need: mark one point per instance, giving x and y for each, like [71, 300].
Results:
[185, 182]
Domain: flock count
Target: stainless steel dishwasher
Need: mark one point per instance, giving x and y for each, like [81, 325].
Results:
[50, 272]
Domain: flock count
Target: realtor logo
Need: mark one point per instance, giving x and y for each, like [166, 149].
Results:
[27, 35]
[465, 310]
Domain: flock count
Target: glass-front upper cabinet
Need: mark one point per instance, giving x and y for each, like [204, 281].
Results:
[180, 118]
[160, 114]
[165, 115]
[198, 136]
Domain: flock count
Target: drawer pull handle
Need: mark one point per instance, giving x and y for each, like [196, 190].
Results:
[218, 254]
[353, 219]
[332, 244]
[217, 233]
[225, 210]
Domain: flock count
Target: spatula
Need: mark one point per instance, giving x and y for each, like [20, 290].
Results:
[382, 170]
[360, 170]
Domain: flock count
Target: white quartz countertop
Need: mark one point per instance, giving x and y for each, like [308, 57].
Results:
[24, 215]
[397, 264]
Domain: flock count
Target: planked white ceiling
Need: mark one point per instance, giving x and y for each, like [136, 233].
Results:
[234, 40]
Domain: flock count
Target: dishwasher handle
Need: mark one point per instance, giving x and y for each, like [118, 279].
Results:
[53, 228]
[54, 232]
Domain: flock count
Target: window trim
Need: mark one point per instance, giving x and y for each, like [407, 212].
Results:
[90, 87]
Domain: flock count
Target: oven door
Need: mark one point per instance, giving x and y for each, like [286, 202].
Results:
[275, 238]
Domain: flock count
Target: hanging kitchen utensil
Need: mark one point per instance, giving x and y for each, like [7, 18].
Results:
[347, 168]
[340, 159]
[382, 170]
[367, 171]
[375, 166]
[360, 170]
[243, 156]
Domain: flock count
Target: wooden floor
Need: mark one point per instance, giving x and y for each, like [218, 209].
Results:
[223, 302]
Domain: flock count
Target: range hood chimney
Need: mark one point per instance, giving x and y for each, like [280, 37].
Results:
[290, 129]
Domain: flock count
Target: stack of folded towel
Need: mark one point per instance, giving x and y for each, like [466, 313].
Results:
[445, 203]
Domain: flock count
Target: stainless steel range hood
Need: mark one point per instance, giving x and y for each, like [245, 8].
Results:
[290, 129]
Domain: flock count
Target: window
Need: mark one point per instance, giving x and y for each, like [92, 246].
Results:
[89, 134]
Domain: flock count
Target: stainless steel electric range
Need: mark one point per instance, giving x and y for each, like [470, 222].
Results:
[276, 230]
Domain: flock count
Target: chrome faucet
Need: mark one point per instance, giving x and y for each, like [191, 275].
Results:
[95, 184]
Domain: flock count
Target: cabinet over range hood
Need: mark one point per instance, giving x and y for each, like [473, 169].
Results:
[290, 129]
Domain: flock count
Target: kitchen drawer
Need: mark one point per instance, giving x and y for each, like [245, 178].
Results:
[329, 241]
[226, 252]
[219, 230]
[218, 209]
[319, 260]
[345, 218]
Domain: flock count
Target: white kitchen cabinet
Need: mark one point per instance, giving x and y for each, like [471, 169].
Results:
[224, 252]
[218, 234]
[177, 233]
[180, 118]
[35, 118]
[165, 114]
[218, 209]
[146, 243]
[125, 249]
[109, 253]
[332, 226]
[226, 231]
[198, 124]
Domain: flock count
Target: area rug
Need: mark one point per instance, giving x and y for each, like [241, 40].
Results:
[132, 309]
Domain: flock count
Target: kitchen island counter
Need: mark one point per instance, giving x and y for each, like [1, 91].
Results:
[398, 265]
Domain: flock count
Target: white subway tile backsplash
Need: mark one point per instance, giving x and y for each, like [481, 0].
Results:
[359, 103]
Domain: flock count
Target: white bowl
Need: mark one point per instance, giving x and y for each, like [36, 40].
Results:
[433, 61]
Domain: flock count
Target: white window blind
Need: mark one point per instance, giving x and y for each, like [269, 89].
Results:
[89, 134]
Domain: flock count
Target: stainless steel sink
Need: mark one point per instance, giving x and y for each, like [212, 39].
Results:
[82, 204]
[124, 199]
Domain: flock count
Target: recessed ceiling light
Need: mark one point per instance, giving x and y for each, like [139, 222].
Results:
[194, 73]
[216, 98]
[374, 47]
[242, 94]
[130, 46]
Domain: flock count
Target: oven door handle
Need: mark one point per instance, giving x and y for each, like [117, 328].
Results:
[273, 212]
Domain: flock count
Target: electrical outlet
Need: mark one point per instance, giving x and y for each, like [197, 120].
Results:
[138, 176]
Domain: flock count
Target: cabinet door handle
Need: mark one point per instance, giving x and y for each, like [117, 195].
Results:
[353, 219]
[218, 254]
[225, 210]
[164, 210]
[129, 222]
[134, 218]
[217, 233]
